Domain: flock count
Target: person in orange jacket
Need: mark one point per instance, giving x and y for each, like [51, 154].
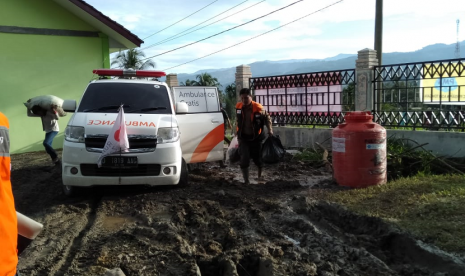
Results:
[251, 118]
[8, 218]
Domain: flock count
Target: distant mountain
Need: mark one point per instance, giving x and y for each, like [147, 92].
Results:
[290, 60]
[340, 56]
[342, 61]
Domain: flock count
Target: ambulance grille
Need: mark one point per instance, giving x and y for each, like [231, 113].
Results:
[135, 141]
[140, 170]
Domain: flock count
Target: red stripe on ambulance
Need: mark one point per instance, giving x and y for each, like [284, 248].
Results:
[208, 144]
[128, 123]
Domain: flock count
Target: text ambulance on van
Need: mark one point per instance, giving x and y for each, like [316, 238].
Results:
[167, 129]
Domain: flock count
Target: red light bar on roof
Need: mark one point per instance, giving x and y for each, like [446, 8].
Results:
[129, 73]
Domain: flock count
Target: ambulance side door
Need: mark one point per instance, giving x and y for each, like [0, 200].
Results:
[202, 128]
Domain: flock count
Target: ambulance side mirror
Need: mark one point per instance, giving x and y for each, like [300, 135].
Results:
[69, 105]
[181, 108]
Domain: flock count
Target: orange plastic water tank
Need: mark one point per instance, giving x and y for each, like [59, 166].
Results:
[359, 151]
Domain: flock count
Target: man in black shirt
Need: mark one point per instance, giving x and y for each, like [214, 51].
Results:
[251, 118]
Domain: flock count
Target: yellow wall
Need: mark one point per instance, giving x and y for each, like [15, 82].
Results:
[442, 83]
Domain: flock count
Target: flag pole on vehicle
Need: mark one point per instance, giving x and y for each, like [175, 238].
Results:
[117, 140]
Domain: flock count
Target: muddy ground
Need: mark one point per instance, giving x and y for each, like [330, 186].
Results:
[216, 226]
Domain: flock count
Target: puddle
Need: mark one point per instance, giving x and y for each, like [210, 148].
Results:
[313, 180]
[296, 243]
[293, 152]
[162, 215]
[115, 223]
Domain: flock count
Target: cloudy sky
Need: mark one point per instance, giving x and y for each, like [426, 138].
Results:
[322, 29]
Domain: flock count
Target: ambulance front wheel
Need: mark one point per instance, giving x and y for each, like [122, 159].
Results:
[70, 191]
[184, 179]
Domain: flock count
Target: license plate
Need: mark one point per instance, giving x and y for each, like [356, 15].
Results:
[120, 162]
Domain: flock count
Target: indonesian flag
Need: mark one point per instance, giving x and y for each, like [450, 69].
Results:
[117, 140]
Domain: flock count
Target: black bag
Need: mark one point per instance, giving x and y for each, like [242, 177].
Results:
[272, 150]
[233, 154]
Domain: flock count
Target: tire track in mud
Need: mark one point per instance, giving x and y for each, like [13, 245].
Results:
[397, 249]
[289, 234]
[37, 190]
[65, 227]
[370, 242]
[215, 226]
[214, 232]
[69, 253]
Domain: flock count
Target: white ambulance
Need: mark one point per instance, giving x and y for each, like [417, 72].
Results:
[166, 131]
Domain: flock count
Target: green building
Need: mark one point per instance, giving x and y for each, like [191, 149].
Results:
[50, 47]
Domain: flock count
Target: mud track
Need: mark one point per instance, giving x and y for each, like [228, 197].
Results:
[216, 226]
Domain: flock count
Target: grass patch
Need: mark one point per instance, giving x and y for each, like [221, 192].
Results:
[229, 136]
[406, 159]
[430, 207]
[309, 155]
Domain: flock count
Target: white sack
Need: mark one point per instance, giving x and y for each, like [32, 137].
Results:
[46, 102]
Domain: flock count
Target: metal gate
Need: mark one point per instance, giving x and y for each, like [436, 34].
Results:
[318, 98]
[421, 95]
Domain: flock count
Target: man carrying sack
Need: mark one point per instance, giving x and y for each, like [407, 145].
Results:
[48, 108]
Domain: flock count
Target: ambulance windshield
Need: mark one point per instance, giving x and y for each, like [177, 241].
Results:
[144, 97]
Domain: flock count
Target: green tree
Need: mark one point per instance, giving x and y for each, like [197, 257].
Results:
[230, 100]
[188, 83]
[230, 91]
[205, 79]
[132, 59]
[348, 97]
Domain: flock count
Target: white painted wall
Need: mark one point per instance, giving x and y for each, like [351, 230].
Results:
[442, 143]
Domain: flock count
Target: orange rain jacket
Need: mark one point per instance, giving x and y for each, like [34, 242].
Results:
[259, 119]
[8, 222]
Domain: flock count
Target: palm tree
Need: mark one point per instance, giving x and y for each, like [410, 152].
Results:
[132, 59]
[189, 83]
[205, 79]
[230, 100]
[231, 91]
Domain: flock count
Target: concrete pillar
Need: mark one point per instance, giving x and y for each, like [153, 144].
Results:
[364, 90]
[172, 80]
[243, 74]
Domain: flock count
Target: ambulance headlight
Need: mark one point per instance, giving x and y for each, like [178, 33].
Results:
[74, 134]
[168, 135]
